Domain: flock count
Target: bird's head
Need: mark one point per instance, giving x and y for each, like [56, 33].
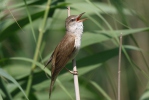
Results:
[74, 23]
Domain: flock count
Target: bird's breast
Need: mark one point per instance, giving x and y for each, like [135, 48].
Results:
[77, 42]
[77, 46]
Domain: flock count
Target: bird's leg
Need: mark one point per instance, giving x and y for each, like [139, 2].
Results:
[72, 72]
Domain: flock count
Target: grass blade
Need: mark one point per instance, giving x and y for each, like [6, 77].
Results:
[6, 75]
[101, 90]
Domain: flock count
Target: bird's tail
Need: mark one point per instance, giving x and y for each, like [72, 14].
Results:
[51, 86]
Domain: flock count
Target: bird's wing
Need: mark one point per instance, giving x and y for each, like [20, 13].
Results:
[49, 61]
[61, 56]
[62, 53]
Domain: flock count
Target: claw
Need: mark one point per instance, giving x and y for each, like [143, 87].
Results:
[74, 72]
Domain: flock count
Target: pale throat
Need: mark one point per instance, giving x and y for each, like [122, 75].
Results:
[77, 30]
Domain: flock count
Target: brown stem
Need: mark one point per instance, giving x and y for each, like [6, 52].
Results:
[119, 69]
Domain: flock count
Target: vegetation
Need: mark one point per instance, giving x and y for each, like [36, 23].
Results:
[31, 29]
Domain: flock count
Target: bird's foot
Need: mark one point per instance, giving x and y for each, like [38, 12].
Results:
[74, 72]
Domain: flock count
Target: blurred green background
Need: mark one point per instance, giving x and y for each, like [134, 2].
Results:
[30, 30]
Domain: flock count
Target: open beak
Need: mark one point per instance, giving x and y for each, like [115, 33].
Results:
[79, 16]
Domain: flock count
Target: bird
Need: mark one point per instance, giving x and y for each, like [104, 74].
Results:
[68, 47]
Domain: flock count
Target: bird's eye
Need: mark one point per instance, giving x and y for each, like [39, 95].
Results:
[72, 19]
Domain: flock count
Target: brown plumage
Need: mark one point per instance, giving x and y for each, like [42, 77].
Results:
[61, 56]
[68, 47]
